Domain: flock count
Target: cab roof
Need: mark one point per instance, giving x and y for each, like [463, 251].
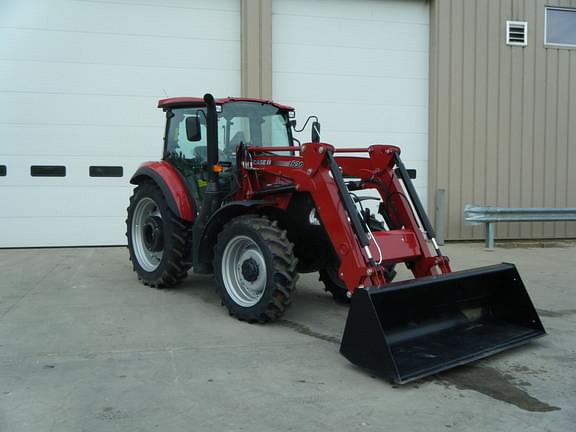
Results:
[197, 102]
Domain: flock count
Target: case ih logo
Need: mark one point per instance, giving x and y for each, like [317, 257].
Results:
[296, 164]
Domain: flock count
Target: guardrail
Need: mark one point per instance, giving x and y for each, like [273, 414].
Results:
[476, 215]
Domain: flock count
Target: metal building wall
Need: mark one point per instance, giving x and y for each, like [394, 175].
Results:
[502, 118]
[256, 29]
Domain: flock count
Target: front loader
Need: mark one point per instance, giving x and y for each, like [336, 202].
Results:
[235, 194]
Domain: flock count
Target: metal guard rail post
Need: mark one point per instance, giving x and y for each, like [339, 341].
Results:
[476, 215]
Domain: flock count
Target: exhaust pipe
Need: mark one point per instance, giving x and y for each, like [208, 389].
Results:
[211, 138]
[212, 194]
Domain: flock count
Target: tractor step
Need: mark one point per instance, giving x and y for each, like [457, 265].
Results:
[411, 329]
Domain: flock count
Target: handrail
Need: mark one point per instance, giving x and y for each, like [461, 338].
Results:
[272, 149]
[351, 150]
[299, 148]
[475, 215]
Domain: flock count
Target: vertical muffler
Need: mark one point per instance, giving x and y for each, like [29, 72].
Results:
[411, 329]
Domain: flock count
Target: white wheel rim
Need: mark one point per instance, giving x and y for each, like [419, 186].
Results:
[244, 271]
[147, 259]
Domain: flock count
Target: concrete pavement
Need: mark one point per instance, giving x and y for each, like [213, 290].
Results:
[85, 347]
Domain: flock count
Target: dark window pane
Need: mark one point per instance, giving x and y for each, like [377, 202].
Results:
[106, 171]
[48, 171]
[2, 170]
[561, 26]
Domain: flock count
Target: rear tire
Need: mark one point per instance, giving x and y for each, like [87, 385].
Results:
[334, 285]
[255, 269]
[158, 240]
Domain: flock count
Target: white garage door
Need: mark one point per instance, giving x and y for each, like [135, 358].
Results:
[362, 67]
[79, 83]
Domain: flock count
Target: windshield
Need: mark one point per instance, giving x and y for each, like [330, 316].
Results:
[253, 124]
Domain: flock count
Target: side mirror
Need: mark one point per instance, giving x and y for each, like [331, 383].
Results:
[193, 128]
[316, 132]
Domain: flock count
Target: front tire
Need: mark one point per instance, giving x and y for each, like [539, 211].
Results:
[255, 269]
[157, 238]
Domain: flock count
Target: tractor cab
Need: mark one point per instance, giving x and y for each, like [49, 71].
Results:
[240, 122]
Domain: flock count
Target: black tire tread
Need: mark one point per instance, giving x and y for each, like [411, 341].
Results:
[176, 267]
[285, 264]
[339, 293]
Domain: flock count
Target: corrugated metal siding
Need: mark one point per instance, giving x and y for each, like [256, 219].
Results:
[502, 119]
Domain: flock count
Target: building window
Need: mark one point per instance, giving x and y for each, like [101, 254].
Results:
[48, 171]
[106, 171]
[560, 27]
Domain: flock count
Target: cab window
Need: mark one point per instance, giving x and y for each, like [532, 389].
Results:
[177, 143]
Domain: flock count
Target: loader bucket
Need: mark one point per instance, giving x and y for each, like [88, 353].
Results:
[411, 329]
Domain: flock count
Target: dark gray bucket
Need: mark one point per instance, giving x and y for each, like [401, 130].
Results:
[411, 329]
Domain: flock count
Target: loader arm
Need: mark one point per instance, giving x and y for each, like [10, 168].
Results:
[363, 256]
[410, 329]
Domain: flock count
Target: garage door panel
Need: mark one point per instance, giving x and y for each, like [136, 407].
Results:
[182, 5]
[107, 80]
[76, 109]
[354, 89]
[79, 82]
[59, 231]
[365, 72]
[319, 32]
[85, 140]
[50, 46]
[37, 201]
[109, 17]
[345, 61]
[372, 119]
[77, 170]
[366, 10]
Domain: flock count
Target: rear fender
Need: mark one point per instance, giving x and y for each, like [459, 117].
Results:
[171, 184]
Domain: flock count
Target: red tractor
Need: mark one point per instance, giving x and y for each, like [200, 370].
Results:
[238, 196]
